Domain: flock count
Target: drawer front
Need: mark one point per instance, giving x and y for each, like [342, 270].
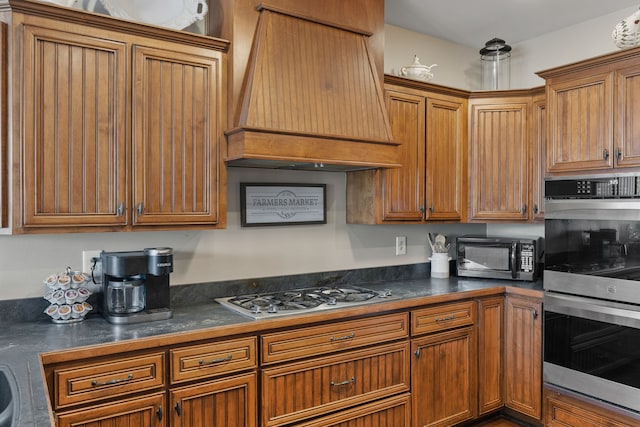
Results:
[298, 391]
[109, 378]
[207, 360]
[340, 336]
[391, 412]
[443, 317]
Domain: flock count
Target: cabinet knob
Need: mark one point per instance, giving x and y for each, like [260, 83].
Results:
[121, 209]
[523, 209]
[422, 209]
[535, 208]
[605, 154]
[140, 208]
[618, 153]
[431, 208]
[178, 408]
[534, 314]
[159, 413]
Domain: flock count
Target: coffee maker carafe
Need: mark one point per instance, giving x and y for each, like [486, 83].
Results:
[135, 285]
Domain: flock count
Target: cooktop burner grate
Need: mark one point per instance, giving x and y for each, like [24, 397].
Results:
[299, 300]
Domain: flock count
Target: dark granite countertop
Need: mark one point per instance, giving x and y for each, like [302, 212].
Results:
[23, 344]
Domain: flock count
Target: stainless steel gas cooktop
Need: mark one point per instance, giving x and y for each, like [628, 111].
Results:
[298, 301]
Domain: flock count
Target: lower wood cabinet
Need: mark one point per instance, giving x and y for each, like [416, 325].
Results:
[563, 409]
[390, 412]
[523, 355]
[296, 391]
[228, 402]
[490, 354]
[444, 378]
[148, 411]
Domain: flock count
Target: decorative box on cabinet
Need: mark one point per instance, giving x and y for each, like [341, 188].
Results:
[444, 366]
[431, 123]
[499, 167]
[119, 128]
[591, 105]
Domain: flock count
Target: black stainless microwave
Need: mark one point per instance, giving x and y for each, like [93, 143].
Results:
[499, 257]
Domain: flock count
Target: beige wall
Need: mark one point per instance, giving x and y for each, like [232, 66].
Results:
[459, 66]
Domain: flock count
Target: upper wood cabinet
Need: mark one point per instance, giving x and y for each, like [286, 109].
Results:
[499, 166]
[591, 105]
[114, 130]
[431, 183]
[539, 154]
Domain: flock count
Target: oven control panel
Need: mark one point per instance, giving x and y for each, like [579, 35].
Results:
[593, 188]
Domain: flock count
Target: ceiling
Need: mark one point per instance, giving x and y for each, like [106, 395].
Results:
[472, 23]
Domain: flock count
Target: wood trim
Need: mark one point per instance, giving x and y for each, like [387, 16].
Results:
[4, 121]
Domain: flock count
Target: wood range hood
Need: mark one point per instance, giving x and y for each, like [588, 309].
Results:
[311, 100]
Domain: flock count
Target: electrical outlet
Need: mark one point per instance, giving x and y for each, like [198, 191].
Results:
[401, 245]
[87, 260]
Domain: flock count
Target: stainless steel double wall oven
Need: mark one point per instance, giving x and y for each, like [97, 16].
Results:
[592, 287]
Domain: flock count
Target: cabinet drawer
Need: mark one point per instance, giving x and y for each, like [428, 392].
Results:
[108, 379]
[391, 412]
[298, 391]
[443, 317]
[207, 360]
[289, 345]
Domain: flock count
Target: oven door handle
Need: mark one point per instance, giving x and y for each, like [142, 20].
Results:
[593, 309]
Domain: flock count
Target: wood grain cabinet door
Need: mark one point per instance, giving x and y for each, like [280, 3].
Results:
[148, 411]
[490, 354]
[444, 378]
[627, 126]
[539, 157]
[445, 166]
[403, 195]
[228, 402]
[176, 127]
[73, 158]
[580, 122]
[523, 356]
[499, 160]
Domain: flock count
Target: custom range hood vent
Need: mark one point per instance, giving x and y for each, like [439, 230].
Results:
[311, 99]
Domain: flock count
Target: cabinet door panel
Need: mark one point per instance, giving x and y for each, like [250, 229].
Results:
[490, 359]
[627, 128]
[404, 186]
[523, 358]
[141, 412]
[176, 125]
[446, 142]
[229, 402]
[580, 126]
[444, 374]
[500, 162]
[74, 160]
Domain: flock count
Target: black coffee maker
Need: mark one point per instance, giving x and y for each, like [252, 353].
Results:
[136, 285]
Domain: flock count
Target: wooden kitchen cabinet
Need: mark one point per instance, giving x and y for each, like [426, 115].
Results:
[298, 390]
[391, 412]
[431, 124]
[148, 411]
[539, 151]
[444, 364]
[490, 354]
[499, 166]
[227, 402]
[566, 409]
[523, 355]
[117, 129]
[591, 108]
[444, 375]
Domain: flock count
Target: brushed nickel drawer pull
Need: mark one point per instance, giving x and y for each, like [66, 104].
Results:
[346, 337]
[95, 383]
[347, 382]
[203, 362]
[446, 319]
